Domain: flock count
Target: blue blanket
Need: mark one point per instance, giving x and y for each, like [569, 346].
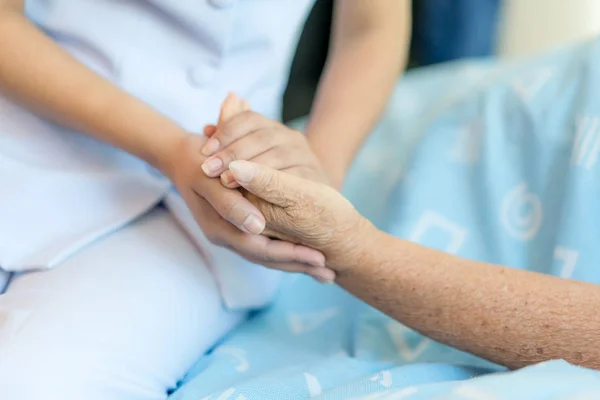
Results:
[492, 161]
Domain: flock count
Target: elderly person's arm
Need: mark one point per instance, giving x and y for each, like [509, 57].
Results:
[508, 316]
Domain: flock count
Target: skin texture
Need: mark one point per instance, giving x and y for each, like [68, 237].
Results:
[233, 107]
[269, 143]
[39, 74]
[511, 317]
[246, 135]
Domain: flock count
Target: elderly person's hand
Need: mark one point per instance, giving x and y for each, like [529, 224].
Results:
[508, 316]
[304, 212]
[226, 217]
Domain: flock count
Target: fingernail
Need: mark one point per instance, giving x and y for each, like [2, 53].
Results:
[254, 225]
[243, 172]
[323, 275]
[210, 147]
[212, 166]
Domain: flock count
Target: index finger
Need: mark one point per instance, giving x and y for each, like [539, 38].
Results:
[232, 105]
[235, 128]
[279, 188]
[232, 206]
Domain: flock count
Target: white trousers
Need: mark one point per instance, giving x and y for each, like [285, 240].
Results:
[123, 319]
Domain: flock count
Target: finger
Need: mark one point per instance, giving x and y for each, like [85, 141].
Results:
[228, 180]
[261, 249]
[245, 148]
[294, 268]
[231, 106]
[258, 249]
[323, 275]
[280, 158]
[236, 127]
[273, 251]
[273, 186]
[232, 206]
[246, 105]
[210, 130]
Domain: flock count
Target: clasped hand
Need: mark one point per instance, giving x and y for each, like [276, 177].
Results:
[199, 170]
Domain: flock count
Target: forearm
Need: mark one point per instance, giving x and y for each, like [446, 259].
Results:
[39, 74]
[358, 80]
[505, 315]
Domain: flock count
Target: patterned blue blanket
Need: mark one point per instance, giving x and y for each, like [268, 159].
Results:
[487, 160]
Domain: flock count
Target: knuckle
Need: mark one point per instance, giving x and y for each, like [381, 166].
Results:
[267, 181]
[272, 187]
[228, 211]
[228, 155]
[239, 126]
[286, 201]
[267, 255]
[266, 136]
[245, 119]
[283, 152]
[227, 133]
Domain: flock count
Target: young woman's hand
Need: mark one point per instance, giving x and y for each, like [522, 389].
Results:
[245, 135]
[230, 220]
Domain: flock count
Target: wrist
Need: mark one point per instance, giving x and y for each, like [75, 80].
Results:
[165, 155]
[355, 246]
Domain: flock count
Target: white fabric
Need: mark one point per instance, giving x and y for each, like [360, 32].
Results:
[123, 319]
[61, 191]
[242, 284]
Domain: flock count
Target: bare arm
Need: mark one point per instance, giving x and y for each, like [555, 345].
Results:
[509, 316]
[369, 49]
[38, 73]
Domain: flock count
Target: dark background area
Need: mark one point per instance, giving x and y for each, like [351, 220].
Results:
[443, 30]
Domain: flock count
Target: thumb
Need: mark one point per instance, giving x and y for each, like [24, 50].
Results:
[232, 105]
[273, 186]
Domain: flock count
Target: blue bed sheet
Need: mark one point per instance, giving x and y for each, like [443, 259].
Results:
[487, 160]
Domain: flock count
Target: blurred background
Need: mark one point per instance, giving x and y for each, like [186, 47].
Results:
[445, 30]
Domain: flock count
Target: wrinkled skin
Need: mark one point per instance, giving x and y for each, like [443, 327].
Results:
[304, 212]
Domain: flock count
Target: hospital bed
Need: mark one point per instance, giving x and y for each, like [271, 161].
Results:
[318, 342]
